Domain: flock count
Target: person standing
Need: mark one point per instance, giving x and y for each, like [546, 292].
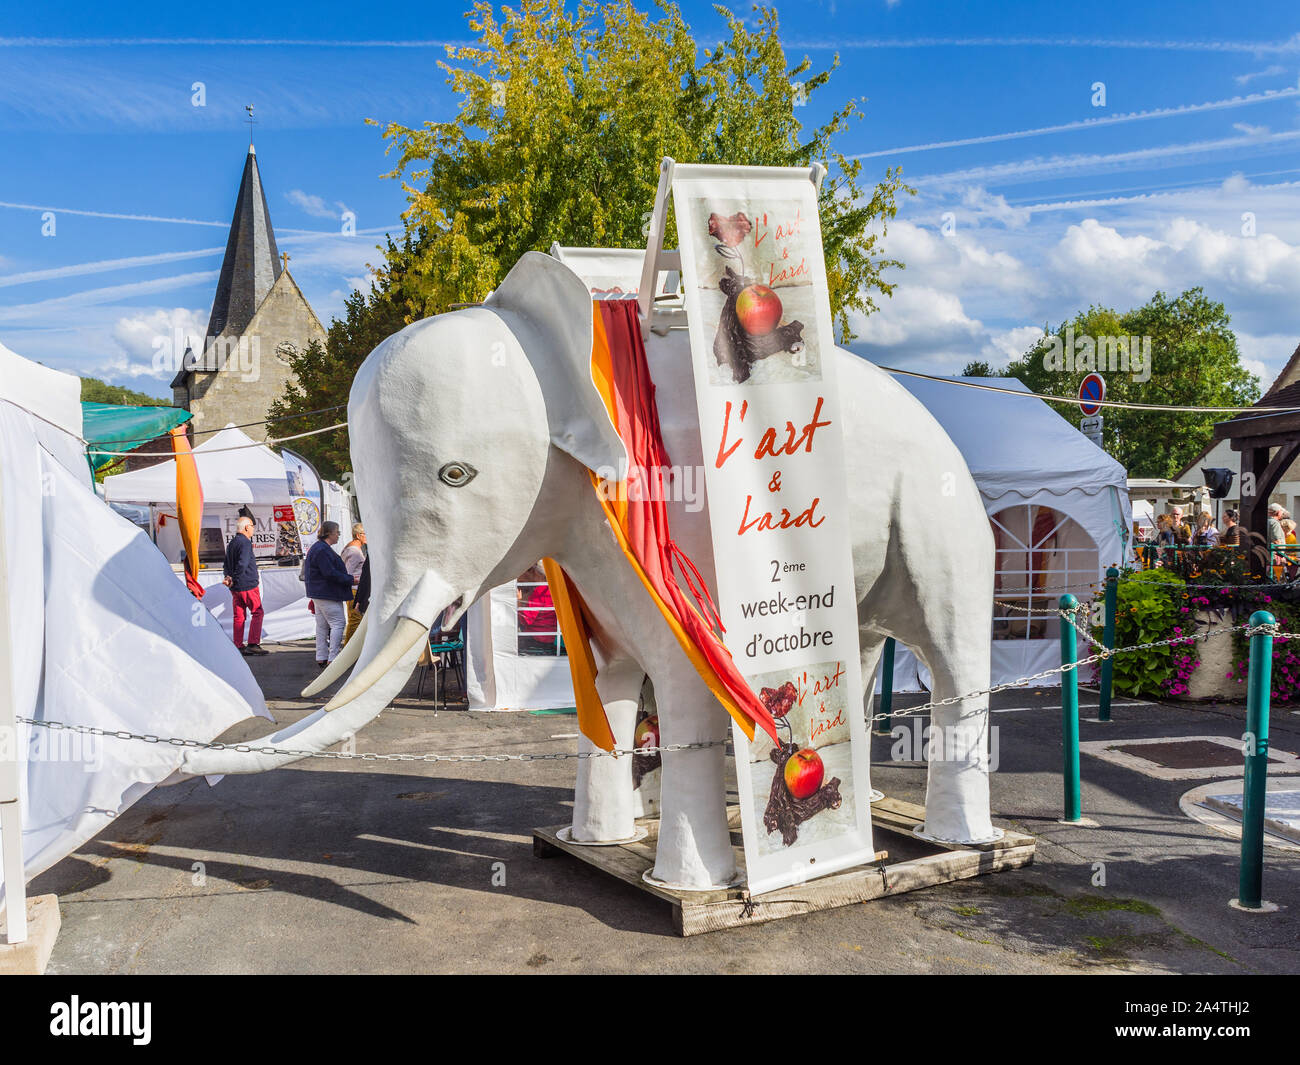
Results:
[242, 579]
[329, 586]
[1232, 532]
[1206, 534]
[1276, 539]
[354, 558]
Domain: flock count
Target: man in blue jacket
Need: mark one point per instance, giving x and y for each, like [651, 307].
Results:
[329, 585]
[244, 584]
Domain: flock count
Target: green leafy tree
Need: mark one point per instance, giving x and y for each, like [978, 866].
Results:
[93, 390]
[323, 372]
[1194, 362]
[564, 116]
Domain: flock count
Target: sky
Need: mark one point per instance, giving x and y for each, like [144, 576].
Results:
[1063, 156]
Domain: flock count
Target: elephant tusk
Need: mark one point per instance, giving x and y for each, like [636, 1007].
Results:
[405, 635]
[346, 659]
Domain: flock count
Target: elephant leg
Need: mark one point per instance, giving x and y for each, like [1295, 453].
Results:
[694, 849]
[956, 651]
[602, 798]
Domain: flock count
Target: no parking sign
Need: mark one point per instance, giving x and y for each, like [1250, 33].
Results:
[1091, 392]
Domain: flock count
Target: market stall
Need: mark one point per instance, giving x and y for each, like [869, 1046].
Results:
[238, 474]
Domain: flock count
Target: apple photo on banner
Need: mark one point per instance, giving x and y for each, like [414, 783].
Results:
[803, 789]
[759, 305]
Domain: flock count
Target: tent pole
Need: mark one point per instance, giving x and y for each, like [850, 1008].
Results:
[11, 815]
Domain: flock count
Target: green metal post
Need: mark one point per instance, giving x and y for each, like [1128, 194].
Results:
[1070, 713]
[1108, 639]
[1258, 686]
[887, 688]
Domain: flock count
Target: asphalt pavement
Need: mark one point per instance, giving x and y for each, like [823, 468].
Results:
[380, 867]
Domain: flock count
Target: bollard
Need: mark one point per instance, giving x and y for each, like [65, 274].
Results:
[887, 688]
[1108, 641]
[1070, 715]
[1259, 681]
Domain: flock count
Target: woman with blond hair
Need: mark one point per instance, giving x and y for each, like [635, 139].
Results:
[1206, 534]
[354, 557]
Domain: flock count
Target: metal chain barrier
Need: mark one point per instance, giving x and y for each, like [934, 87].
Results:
[559, 756]
[248, 748]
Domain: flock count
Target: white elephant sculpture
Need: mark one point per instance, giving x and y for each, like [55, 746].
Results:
[472, 436]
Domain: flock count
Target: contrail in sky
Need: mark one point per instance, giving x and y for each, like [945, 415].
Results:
[1090, 123]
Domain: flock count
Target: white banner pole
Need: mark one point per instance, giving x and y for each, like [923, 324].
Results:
[11, 815]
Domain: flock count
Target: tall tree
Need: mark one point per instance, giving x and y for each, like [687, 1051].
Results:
[1194, 362]
[564, 116]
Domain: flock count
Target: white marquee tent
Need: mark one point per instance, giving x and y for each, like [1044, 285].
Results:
[1058, 505]
[234, 471]
[95, 630]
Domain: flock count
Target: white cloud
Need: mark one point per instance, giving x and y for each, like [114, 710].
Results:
[957, 261]
[1272, 71]
[1249, 130]
[153, 338]
[920, 325]
[315, 205]
[994, 207]
[1007, 344]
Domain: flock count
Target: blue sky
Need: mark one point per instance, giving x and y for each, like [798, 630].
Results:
[1189, 174]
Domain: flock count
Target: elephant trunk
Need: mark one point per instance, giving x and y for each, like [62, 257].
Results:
[387, 658]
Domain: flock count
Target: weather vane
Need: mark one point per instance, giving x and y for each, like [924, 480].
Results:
[251, 121]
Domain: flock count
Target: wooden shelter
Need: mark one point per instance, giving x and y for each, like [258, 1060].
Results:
[1268, 441]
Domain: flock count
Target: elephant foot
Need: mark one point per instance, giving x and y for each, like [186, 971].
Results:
[602, 798]
[957, 789]
[694, 851]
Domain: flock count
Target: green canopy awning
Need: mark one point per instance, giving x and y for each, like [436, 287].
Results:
[110, 427]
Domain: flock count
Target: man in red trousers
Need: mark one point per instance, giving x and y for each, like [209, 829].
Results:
[242, 580]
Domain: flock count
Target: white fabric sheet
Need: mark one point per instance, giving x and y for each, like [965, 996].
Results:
[105, 636]
[284, 604]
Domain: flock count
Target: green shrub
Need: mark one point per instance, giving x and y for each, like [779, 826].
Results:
[1147, 608]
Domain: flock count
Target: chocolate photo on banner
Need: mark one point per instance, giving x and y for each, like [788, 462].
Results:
[756, 292]
[803, 786]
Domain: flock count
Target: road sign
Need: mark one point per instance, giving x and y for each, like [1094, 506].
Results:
[1091, 428]
[1091, 392]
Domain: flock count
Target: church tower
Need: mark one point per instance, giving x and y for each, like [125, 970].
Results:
[258, 310]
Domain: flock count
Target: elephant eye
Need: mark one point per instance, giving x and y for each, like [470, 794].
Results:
[457, 474]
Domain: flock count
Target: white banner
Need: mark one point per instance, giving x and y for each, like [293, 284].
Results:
[762, 345]
[305, 495]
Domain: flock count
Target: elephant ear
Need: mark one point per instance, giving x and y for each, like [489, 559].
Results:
[555, 306]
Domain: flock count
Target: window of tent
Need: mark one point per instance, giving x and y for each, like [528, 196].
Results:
[1040, 555]
[537, 626]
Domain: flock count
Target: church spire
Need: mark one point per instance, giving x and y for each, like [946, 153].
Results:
[252, 261]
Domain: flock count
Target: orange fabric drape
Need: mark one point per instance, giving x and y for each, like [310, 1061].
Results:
[189, 507]
[574, 626]
[639, 517]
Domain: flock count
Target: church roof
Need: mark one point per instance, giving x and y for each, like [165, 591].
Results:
[252, 261]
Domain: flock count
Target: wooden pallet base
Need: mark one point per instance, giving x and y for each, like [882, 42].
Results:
[915, 863]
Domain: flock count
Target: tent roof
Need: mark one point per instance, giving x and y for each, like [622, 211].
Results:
[116, 428]
[252, 474]
[51, 395]
[1014, 444]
